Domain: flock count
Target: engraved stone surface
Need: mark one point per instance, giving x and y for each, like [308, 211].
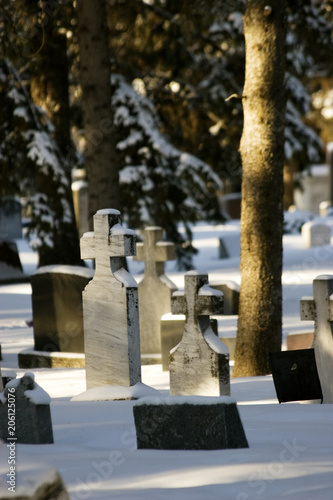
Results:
[188, 423]
[155, 288]
[199, 364]
[319, 309]
[110, 305]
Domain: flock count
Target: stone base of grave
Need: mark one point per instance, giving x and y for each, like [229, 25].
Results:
[172, 329]
[299, 341]
[39, 359]
[35, 482]
[188, 423]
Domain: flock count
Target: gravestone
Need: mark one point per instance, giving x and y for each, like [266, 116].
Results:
[10, 218]
[155, 288]
[188, 423]
[10, 264]
[319, 309]
[315, 234]
[57, 307]
[295, 375]
[31, 419]
[110, 305]
[199, 364]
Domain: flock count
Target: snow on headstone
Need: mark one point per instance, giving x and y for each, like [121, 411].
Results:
[25, 412]
[319, 309]
[199, 364]
[110, 305]
[155, 289]
[315, 234]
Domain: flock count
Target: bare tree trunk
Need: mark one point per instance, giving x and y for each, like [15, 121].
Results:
[49, 89]
[100, 154]
[262, 151]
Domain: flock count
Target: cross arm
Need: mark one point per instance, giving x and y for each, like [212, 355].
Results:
[178, 303]
[87, 246]
[307, 309]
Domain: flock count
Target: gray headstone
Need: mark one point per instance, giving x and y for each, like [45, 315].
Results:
[10, 264]
[188, 423]
[155, 288]
[31, 417]
[57, 307]
[10, 218]
[319, 309]
[199, 364]
[315, 234]
[110, 305]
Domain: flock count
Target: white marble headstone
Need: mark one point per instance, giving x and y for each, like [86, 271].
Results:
[110, 305]
[315, 234]
[155, 288]
[199, 364]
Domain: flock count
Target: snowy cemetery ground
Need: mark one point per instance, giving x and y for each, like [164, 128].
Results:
[290, 452]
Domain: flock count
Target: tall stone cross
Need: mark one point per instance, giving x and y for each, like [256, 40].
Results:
[199, 364]
[319, 309]
[110, 305]
[155, 288]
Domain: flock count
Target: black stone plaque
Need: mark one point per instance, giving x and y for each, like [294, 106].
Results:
[295, 375]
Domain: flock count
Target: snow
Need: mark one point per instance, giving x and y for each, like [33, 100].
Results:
[290, 452]
[109, 393]
[185, 400]
[63, 269]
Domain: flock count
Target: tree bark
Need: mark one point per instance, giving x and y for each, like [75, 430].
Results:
[100, 153]
[262, 152]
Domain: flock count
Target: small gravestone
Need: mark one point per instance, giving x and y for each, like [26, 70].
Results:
[295, 375]
[80, 200]
[10, 264]
[188, 423]
[10, 218]
[315, 234]
[199, 364]
[155, 289]
[25, 412]
[319, 309]
[110, 305]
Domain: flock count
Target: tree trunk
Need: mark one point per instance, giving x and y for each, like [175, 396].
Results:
[100, 153]
[262, 151]
[49, 90]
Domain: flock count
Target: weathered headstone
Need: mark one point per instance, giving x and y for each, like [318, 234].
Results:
[319, 309]
[315, 234]
[199, 364]
[188, 423]
[155, 288]
[57, 307]
[10, 218]
[10, 264]
[110, 305]
[25, 412]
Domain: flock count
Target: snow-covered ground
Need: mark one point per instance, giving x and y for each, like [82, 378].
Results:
[290, 452]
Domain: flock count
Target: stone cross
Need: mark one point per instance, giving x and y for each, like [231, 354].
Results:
[110, 305]
[155, 288]
[319, 309]
[199, 364]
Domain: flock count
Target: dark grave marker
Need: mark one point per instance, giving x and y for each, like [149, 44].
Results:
[295, 375]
